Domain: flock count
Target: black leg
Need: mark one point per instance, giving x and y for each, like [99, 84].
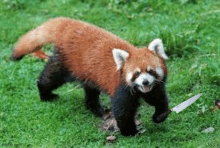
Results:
[124, 106]
[52, 77]
[158, 98]
[92, 100]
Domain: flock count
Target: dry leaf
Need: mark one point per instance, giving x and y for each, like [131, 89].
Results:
[208, 130]
[111, 138]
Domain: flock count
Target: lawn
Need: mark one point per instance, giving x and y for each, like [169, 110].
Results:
[190, 30]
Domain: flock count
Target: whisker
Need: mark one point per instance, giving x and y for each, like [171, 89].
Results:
[159, 81]
[131, 90]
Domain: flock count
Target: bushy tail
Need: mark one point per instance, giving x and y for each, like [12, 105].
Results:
[40, 54]
[36, 38]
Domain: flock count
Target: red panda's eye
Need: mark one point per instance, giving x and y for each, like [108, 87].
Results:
[137, 73]
[150, 71]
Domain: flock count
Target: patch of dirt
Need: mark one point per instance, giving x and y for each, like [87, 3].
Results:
[109, 123]
[216, 106]
[217, 103]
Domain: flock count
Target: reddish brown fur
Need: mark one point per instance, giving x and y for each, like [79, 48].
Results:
[86, 50]
[40, 54]
[143, 58]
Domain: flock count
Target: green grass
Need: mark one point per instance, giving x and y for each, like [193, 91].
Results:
[190, 30]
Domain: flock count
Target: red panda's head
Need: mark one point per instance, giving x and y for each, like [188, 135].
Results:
[143, 67]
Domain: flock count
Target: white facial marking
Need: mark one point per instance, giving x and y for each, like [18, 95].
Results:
[157, 46]
[149, 68]
[137, 69]
[144, 77]
[159, 71]
[119, 56]
[129, 77]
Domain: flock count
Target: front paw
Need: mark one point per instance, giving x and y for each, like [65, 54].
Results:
[129, 132]
[48, 97]
[158, 120]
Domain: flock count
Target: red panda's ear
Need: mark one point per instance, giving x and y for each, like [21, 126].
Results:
[157, 46]
[120, 56]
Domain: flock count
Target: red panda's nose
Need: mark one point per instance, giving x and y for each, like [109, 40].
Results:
[146, 82]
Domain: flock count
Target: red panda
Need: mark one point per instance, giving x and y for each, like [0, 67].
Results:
[102, 62]
[40, 54]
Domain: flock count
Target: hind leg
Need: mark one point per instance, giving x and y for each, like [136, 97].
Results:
[92, 100]
[52, 77]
